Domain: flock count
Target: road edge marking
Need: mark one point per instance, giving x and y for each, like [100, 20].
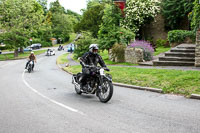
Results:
[49, 99]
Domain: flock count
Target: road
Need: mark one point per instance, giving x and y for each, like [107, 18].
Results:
[45, 102]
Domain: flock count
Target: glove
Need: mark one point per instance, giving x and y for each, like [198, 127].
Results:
[106, 69]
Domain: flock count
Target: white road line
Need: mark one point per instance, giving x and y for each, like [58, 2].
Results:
[51, 100]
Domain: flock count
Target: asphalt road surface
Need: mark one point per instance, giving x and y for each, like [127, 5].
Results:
[45, 102]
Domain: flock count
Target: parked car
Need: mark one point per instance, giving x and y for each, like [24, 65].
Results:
[28, 48]
[36, 46]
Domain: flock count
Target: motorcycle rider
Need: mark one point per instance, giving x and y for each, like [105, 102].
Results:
[31, 58]
[90, 60]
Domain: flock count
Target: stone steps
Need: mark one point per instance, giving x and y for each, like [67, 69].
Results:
[182, 55]
[182, 50]
[179, 54]
[185, 59]
[172, 63]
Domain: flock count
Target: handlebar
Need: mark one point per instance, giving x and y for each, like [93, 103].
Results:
[97, 67]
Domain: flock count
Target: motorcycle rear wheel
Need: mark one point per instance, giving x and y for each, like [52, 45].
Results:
[107, 88]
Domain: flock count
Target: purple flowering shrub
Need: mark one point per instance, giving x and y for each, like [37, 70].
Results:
[146, 46]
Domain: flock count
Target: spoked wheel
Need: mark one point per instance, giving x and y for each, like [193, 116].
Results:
[29, 69]
[76, 85]
[106, 92]
[78, 89]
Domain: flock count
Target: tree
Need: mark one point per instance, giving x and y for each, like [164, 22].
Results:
[83, 43]
[139, 12]
[19, 18]
[55, 7]
[43, 3]
[110, 32]
[61, 23]
[61, 26]
[174, 11]
[91, 19]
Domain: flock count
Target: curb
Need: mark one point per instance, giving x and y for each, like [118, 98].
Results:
[124, 85]
[138, 87]
[195, 96]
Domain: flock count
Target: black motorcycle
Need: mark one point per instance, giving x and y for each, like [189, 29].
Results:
[97, 82]
[30, 66]
[60, 48]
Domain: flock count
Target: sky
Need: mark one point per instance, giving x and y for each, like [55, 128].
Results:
[74, 5]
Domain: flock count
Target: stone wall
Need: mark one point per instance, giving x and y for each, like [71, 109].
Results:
[133, 55]
[156, 28]
[197, 50]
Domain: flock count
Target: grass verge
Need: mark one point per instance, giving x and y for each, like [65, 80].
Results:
[170, 81]
[62, 59]
[161, 50]
[10, 56]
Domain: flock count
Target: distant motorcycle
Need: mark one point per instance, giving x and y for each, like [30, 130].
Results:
[60, 48]
[50, 52]
[30, 66]
[98, 83]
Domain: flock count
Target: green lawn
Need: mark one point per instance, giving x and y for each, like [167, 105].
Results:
[161, 50]
[170, 81]
[62, 59]
[24, 55]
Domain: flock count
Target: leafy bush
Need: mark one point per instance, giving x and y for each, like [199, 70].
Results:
[161, 42]
[118, 52]
[83, 44]
[44, 43]
[174, 11]
[179, 36]
[195, 15]
[146, 47]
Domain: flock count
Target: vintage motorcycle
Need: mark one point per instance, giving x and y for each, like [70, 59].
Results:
[97, 82]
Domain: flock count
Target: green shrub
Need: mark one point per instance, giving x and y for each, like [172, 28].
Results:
[36, 40]
[179, 36]
[83, 44]
[46, 44]
[118, 52]
[7, 47]
[161, 42]
[195, 15]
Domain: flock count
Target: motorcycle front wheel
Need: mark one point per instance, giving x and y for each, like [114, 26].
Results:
[29, 69]
[78, 90]
[106, 92]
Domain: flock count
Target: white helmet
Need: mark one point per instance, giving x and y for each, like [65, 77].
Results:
[32, 52]
[92, 47]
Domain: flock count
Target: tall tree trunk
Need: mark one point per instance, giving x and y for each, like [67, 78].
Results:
[21, 50]
[16, 53]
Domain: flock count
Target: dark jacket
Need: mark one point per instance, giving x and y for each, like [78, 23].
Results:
[91, 59]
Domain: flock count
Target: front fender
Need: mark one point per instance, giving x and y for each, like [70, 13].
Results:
[108, 77]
